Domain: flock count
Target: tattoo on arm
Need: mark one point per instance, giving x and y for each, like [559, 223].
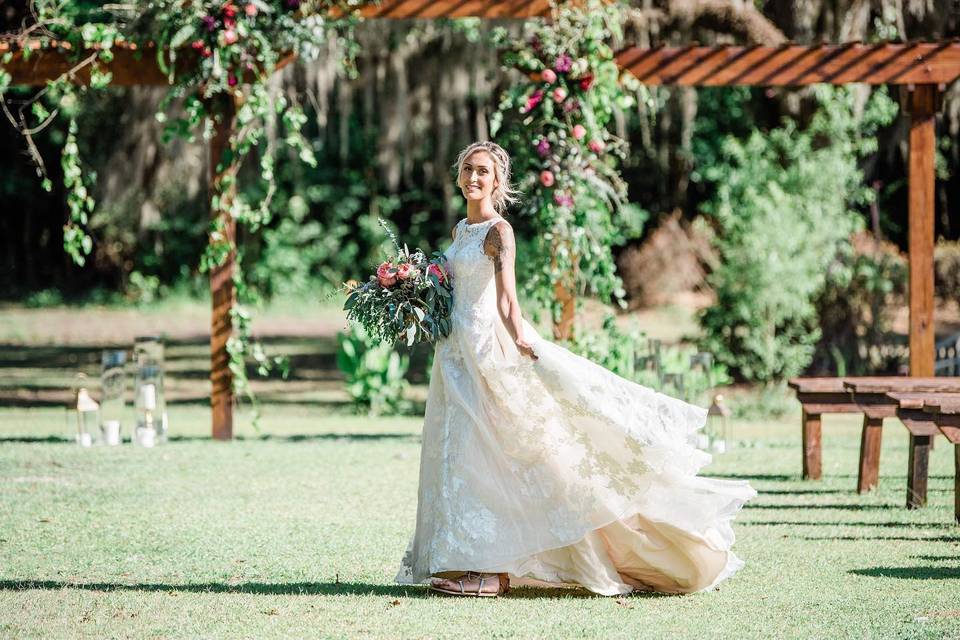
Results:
[500, 247]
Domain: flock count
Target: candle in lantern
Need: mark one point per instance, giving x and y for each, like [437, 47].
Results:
[146, 437]
[148, 397]
[84, 439]
[111, 432]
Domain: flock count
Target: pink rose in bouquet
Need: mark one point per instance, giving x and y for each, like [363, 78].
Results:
[406, 271]
[436, 270]
[386, 274]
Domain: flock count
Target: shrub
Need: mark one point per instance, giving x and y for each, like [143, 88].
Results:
[783, 213]
[374, 373]
[864, 284]
[946, 260]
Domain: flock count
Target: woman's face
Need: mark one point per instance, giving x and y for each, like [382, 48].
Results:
[477, 178]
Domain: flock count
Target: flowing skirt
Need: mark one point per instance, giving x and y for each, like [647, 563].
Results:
[558, 471]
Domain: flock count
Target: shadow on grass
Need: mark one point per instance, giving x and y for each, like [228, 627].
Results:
[303, 437]
[307, 589]
[800, 492]
[910, 573]
[880, 525]
[848, 506]
[869, 537]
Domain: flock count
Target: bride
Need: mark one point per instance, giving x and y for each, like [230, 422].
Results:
[540, 467]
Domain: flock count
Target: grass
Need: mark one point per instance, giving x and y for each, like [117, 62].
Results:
[299, 532]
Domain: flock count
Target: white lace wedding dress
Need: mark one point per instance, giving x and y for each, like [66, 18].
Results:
[557, 470]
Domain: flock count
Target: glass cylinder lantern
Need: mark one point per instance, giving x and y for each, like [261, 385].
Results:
[113, 389]
[88, 417]
[718, 425]
[148, 391]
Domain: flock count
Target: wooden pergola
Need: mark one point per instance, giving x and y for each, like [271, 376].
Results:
[922, 70]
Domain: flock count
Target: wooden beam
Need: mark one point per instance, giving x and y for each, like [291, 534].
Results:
[222, 291]
[45, 61]
[404, 9]
[921, 107]
[792, 65]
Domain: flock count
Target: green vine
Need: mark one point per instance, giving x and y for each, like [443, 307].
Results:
[216, 54]
[555, 123]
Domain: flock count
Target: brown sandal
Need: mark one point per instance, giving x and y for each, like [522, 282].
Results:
[502, 588]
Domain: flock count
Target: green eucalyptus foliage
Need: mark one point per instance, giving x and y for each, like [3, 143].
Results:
[784, 209]
[374, 372]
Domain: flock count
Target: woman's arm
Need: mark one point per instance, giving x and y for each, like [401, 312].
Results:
[501, 247]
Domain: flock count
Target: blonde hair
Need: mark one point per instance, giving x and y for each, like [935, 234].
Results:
[503, 193]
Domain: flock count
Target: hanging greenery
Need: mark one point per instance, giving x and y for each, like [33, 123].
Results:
[554, 122]
[218, 57]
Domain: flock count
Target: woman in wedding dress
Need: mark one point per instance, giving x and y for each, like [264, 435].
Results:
[540, 467]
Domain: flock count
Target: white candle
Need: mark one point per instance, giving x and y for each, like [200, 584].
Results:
[146, 437]
[84, 439]
[148, 397]
[111, 432]
[720, 446]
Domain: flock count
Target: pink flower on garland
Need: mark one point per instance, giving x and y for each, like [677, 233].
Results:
[231, 79]
[571, 105]
[543, 147]
[596, 145]
[563, 199]
[586, 82]
[535, 98]
[579, 131]
[230, 36]
[250, 9]
[563, 63]
[559, 94]
[549, 76]
[546, 178]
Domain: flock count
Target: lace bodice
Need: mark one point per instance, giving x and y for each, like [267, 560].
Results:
[474, 301]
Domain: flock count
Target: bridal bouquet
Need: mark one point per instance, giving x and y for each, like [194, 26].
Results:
[409, 298]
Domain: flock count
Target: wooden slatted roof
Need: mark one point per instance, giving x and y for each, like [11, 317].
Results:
[793, 64]
[720, 65]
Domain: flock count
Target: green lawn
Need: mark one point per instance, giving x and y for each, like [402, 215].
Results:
[299, 532]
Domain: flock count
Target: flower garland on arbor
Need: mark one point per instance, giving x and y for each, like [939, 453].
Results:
[554, 122]
[218, 55]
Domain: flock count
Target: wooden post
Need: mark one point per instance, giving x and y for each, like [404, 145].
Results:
[870, 454]
[921, 105]
[221, 280]
[812, 468]
[564, 292]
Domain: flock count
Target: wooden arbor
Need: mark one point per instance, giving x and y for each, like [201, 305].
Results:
[922, 69]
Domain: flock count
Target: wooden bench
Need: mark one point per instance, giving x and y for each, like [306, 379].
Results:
[866, 395]
[872, 394]
[920, 414]
[947, 410]
[818, 396]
